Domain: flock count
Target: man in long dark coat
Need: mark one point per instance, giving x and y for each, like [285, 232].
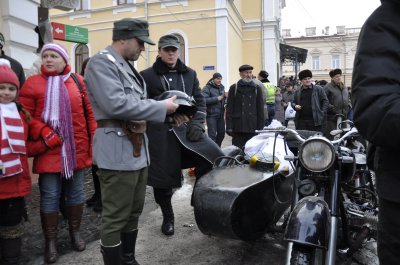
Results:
[172, 150]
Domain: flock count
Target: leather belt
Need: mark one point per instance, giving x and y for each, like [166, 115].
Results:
[109, 124]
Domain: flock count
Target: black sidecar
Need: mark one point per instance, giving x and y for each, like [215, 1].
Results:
[240, 201]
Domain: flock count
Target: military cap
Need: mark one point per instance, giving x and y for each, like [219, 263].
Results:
[128, 28]
[168, 41]
[245, 67]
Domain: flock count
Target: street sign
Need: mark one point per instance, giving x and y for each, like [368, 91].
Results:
[208, 67]
[70, 33]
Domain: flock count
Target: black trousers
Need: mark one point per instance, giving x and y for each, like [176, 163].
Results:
[389, 232]
[12, 211]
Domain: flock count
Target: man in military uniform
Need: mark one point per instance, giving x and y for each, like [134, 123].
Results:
[118, 96]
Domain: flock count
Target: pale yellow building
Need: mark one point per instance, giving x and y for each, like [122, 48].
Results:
[325, 52]
[216, 35]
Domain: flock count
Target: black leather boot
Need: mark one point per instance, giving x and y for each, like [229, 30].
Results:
[128, 240]
[167, 226]
[111, 255]
[163, 198]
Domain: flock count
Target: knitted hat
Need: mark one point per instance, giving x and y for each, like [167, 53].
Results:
[334, 72]
[304, 74]
[216, 75]
[264, 74]
[7, 75]
[56, 48]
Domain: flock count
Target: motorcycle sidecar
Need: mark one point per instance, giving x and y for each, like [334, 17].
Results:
[239, 201]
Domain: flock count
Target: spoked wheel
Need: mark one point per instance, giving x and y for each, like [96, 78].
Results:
[302, 255]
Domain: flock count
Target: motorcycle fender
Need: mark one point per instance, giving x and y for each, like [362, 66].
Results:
[309, 223]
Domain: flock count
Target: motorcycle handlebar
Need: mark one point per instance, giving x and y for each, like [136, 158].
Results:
[283, 131]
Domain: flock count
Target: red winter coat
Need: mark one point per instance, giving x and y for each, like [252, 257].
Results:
[32, 97]
[18, 185]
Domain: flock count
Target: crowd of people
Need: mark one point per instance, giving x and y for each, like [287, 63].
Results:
[131, 131]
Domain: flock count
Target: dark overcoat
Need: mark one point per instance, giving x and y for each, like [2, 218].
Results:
[170, 150]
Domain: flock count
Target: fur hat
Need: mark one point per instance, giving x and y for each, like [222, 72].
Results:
[7, 75]
[334, 72]
[56, 48]
[304, 74]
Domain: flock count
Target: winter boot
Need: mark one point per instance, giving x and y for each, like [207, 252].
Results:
[10, 251]
[128, 240]
[111, 255]
[49, 226]
[167, 226]
[74, 213]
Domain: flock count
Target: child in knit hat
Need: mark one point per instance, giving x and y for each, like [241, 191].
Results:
[15, 181]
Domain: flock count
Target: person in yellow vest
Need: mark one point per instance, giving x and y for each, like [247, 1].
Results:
[270, 91]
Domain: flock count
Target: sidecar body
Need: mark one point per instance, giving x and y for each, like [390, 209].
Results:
[240, 201]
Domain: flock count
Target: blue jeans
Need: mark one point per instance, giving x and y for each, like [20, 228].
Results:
[271, 113]
[50, 190]
[216, 129]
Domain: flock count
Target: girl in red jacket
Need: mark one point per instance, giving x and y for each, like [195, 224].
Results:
[56, 99]
[15, 182]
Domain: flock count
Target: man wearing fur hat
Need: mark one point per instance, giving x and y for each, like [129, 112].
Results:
[339, 101]
[310, 103]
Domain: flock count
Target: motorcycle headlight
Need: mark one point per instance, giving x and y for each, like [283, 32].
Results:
[317, 154]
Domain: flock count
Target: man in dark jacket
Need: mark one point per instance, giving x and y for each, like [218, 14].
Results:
[214, 94]
[339, 101]
[15, 65]
[310, 103]
[184, 146]
[376, 102]
[245, 108]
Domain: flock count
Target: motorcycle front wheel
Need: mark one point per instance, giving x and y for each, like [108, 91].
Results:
[302, 255]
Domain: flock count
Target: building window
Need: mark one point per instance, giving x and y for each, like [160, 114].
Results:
[83, 5]
[123, 2]
[181, 48]
[335, 61]
[166, 3]
[315, 62]
[81, 53]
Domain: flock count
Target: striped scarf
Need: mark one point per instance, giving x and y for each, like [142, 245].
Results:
[12, 140]
[57, 114]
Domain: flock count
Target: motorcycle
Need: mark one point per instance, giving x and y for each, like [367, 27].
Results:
[326, 205]
[330, 208]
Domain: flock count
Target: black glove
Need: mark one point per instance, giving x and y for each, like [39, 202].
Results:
[229, 132]
[195, 132]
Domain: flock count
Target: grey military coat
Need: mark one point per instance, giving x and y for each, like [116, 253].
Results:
[113, 96]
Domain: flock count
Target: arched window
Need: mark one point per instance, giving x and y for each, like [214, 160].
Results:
[181, 48]
[81, 53]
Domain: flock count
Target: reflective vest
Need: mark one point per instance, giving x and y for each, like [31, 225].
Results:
[270, 92]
